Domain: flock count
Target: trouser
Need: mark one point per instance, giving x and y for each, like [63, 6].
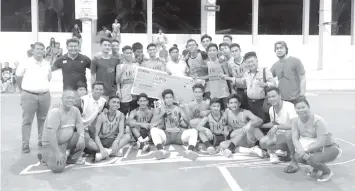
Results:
[166, 138]
[48, 155]
[33, 103]
[256, 107]
[318, 159]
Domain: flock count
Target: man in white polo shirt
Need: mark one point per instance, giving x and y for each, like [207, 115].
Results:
[33, 76]
[281, 114]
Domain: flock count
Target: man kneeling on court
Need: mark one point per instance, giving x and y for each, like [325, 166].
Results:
[213, 129]
[109, 134]
[281, 115]
[63, 130]
[168, 118]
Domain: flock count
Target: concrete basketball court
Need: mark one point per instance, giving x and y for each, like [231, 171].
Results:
[138, 171]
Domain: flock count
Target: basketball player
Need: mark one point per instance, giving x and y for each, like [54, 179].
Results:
[245, 129]
[213, 129]
[139, 122]
[110, 135]
[198, 108]
[166, 128]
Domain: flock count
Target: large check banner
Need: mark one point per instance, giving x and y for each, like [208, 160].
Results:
[154, 82]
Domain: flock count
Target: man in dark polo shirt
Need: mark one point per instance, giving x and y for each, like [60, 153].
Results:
[290, 73]
[104, 69]
[73, 65]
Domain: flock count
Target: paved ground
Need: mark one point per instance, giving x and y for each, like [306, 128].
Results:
[136, 171]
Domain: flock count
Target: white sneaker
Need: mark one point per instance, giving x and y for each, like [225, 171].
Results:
[281, 153]
[257, 151]
[326, 177]
[274, 159]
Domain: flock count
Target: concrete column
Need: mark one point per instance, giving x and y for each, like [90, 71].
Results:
[325, 31]
[353, 22]
[255, 21]
[150, 20]
[0, 16]
[305, 21]
[86, 38]
[93, 27]
[203, 18]
[34, 19]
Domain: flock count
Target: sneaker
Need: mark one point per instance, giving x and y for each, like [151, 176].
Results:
[281, 153]
[211, 150]
[257, 152]
[274, 159]
[314, 173]
[161, 154]
[227, 153]
[138, 145]
[146, 147]
[192, 155]
[325, 177]
[26, 148]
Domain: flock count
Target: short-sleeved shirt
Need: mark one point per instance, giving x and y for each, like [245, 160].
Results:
[289, 74]
[73, 70]
[105, 70]
[285, 115]
[254, 91]
[176, 69]
[125, 77]
[57, 118]
[35, 75]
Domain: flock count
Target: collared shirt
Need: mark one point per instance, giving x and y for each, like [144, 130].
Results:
[73, 70]
[91, 108]
[252, 80]
[35, 75]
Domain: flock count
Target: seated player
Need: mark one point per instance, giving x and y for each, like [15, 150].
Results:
[311, 143]
[166, 128]
[198, 108]
[213, 128]
[281, 114]
[63, 130]
[110, 135]
[139, 122]
[245, 129]
[92, 105]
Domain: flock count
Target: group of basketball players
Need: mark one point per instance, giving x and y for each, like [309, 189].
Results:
[103, 122]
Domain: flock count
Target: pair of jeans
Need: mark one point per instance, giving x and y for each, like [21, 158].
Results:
[33, 103]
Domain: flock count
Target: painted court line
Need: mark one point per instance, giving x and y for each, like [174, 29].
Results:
[229, 179]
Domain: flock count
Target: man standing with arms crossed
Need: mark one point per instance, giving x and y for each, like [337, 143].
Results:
[33, 77]
[73, 65]
[290, 73]
[103, 69]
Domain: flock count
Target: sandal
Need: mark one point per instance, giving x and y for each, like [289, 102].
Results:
[291, 169]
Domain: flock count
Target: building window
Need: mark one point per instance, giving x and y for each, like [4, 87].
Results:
[131, 14]
[56, 16]
[234, 17]
[177, 16]
[280, 17]
[314, 18]
[16, 15]
[341, 14]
